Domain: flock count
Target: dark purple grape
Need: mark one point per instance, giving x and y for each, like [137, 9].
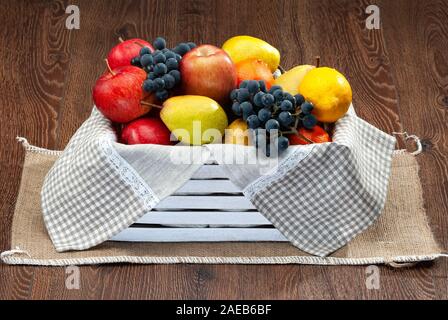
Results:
[159, 58]
[145, 50]
[151, 76]
[159, 43]
[272, 124]
[267, 100]
[148, 85]
[146, 60]
[160, 69]
[159, 84]
[264, 115]
[181, 49]
[307, 107]
[286, 105]
[289, 97]
[243, 95]
[274, 88]
[172, 64]
[285, 118]
[278, 95]
[162, 94]
[253, 86]
[299, 99]
[170, 82]
[234, 94]
[258, 99]
[192, 45]
[253, 122]
[236, 108]
[170, 54]
[282, 144]
[247, 109]
[309, 121]
[262, 85]
[136, 62]
[176, 75]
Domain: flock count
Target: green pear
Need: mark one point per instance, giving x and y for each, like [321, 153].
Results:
[194, 120]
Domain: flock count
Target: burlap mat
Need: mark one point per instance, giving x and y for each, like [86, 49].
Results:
[401, 234]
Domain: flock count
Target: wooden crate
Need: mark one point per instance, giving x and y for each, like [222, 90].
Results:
[208, 208]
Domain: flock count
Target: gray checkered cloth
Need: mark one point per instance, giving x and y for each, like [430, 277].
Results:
[319, 196]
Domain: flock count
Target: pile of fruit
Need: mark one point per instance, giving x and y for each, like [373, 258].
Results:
[187, 95]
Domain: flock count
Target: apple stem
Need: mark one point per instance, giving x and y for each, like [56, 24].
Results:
[317, 61]
[109, 68]
[151, 104]
[120, 39]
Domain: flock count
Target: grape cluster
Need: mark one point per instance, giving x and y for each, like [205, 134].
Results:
[162, 66]
[271, 112]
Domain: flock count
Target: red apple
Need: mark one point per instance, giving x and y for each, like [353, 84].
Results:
[316, 135]
[122, 54]
[208, 71]
[118, 94]
[146, 131]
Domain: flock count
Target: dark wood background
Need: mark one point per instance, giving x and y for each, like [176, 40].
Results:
[399, 76]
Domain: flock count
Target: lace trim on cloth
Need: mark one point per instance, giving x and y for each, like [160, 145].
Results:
[279, 172]
[129, 175]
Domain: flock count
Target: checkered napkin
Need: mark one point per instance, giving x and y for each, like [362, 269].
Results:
[319, 196]
[322, 200]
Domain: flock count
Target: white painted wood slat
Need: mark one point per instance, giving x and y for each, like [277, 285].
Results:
[208, 208]
[199, 235]
[198, 187]
[209, 172]
[227, 203]
[204, 219]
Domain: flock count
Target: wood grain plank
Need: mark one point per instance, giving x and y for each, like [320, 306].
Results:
[421, 68]
[32, 73]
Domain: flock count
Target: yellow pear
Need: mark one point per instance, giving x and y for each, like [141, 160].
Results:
[290, 80]
[241, 48]
[236, 133]
[194, 120]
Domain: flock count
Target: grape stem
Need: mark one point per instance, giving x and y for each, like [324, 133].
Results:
[317, 61]
[109, 68]
[151, 104]
[296, 123]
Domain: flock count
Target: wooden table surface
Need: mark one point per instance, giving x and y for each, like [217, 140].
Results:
[399, 76]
